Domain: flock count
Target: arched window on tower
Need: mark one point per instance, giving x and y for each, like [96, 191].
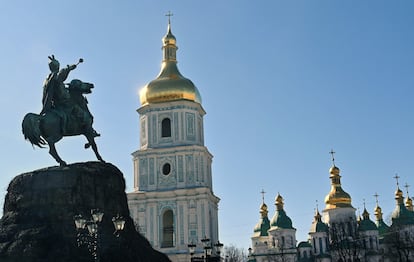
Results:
[166, 127]
[167, 229]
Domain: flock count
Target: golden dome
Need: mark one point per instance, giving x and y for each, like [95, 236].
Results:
[399, 195]
[263, 210]
[377, 210]
[279, 202]
[409, 203]
[334, 170]
[337, 197]
[169, 38]
[169, 85]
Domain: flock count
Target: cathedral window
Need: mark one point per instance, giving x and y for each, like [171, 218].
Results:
[167, 229]
[166, 127]
[320, 246]
[314, 245]
[166, 169]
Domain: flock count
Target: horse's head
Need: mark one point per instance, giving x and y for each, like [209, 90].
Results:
[82, 87]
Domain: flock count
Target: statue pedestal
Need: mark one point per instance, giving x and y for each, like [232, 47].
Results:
[39, 209]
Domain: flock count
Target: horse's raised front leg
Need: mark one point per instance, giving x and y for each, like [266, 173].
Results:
[91, 142]
[53, 152]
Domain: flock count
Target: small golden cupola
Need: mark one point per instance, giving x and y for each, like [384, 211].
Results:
[378, 209]
[169, 85]
[337, 197]
[408, 199]
[264, 224]
[379, 222]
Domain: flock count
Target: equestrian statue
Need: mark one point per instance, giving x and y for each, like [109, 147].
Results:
[65, 112]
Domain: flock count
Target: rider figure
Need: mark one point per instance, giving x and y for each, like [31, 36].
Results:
[56, 95]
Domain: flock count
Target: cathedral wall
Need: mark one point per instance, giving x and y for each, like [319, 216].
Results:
[187, 167]
[185, 127]
[194, 217]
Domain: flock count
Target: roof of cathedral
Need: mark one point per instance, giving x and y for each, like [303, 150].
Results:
[304, 244]
[381, 226]
[409, 203]
[366, 224]
[280, 219]
[317, 224]
[264, 224]
[337, 197]
[401, 215]
[169, 85]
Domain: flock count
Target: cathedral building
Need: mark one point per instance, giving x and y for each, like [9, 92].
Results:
[338, 234]
[173, 204]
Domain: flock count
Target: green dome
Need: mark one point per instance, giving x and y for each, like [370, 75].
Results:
[366, 224]
[281, 220]
[382, 227]
[318, 225]
[304, 244]
[264, 224]
[402, 216]
[262, 227]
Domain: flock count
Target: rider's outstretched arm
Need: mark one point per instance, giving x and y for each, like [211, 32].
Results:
[64, 73]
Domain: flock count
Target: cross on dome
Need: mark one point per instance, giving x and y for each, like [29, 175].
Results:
[396, 178]
[263, 193]
[376, 197]
[169, 14]
[333, 157]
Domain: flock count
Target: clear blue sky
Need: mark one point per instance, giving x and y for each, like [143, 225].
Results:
[283, 82]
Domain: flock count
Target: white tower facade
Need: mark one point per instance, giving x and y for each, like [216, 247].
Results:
[173, 203]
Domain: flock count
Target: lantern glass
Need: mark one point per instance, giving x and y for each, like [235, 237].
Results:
[206, 242]
[208, 251]
[191, 248]
[119, 223]
[97, 215]
[80, 222]
[92, 227]
[219, 247]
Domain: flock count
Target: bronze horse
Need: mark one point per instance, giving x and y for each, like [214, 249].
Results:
[68, 118]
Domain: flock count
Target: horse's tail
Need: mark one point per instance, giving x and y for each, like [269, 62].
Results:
[31, 129]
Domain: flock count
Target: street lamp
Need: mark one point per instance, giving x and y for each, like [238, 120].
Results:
[207, 247]
[89, 237]
[119, 223]
[219, 247]
[250, 256]
[191, 249]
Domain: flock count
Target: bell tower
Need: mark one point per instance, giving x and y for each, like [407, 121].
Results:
[173, 203]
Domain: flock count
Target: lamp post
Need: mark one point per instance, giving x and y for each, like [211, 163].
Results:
[191, 249]
[207, 248]
[250, 256]
[218, 247]
[119, 223]
[88, 230]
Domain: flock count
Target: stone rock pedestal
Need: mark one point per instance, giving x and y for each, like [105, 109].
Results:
[38, 225]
